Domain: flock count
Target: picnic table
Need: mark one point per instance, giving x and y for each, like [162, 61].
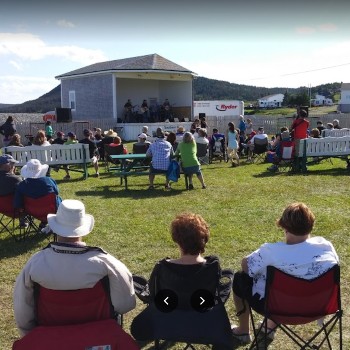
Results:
[130, 164]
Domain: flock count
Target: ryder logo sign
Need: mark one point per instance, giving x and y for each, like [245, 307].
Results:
[223, 107]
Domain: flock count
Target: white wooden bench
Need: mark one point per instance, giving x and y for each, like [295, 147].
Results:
[54, 155]
[327, 147]
[336, 132]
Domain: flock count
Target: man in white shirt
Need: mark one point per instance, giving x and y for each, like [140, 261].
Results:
[260, 136]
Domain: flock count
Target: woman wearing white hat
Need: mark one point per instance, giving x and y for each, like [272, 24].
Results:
[35, 184]
[69, 264]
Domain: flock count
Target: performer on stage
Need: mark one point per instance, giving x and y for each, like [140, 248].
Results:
[144, 111]
[128, 111]
[166, 107]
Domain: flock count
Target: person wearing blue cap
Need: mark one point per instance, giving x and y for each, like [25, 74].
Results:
[8, 179]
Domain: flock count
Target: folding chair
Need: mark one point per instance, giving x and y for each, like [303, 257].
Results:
[37, 209]
[287, 155]
[202, 153]
[259, 150]
[185, 324]
[75, 319]
[217, 148]
[8, 216]
[291, 301]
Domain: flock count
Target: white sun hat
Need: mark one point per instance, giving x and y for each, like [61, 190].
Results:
[34, 169]
[71, 219]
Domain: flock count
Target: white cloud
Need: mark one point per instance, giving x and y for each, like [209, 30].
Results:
[17, 65]
[65, 24]
[18, 89]
[30, 47]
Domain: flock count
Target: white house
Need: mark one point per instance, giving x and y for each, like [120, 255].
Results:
[271, 101]
[344, 103]
[321, 100]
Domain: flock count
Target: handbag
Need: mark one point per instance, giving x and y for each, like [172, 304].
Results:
[173, 172]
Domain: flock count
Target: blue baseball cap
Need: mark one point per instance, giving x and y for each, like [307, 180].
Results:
[6, 159]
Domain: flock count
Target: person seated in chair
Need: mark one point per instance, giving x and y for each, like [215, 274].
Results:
[299, 255]
[142, 145]
[261, 136]
[117, 142]
[93, 150]
[8, 179]
[35, 184]
[191, 234]
[70, 264]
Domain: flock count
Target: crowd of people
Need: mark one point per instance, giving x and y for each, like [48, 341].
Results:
[298, 254]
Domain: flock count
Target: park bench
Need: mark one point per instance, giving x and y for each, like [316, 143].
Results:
[322, 148]
[54, 155]
[336, 132]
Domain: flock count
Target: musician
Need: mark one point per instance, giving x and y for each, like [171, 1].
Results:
[127, 111]
[144, 111]
[167, 110]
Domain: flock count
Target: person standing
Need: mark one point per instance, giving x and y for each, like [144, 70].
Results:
[48, 130]
[86, 266]
[299, 131]
[8, 129]
[144, 111]
[232, 138]
[187, 150]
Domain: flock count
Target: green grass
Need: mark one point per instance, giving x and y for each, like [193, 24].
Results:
[290, 111]
[240, 204]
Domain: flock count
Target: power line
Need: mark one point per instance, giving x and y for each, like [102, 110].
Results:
[295, 73]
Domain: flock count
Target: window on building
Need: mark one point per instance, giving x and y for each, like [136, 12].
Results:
[72, 100]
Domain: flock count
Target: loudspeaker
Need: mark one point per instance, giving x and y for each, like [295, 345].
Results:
[63, 115]
[201, 115]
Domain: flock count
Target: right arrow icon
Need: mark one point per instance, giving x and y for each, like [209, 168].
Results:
[202, 301]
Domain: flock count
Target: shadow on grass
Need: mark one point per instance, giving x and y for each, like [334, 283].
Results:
[120, 192]
[10, 248]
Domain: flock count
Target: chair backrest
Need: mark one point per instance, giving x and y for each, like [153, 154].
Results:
[116, 150]
[6, 206]
[140, 149]
[202, 149]
[184, 284]
[260, 145]
[292, 300]
[41, 206]
[67, 307]
[287, 150]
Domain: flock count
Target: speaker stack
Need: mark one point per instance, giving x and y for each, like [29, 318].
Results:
[63, 115]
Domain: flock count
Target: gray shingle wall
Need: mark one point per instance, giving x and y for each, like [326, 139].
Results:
[93, 96]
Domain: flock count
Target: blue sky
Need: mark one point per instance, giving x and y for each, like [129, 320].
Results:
[253, 42]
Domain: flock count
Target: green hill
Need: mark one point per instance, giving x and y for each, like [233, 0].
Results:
[203, 89]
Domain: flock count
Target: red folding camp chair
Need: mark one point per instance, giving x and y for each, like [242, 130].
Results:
[8, 216]
[37, 209]
[291, 301]
[75, 320]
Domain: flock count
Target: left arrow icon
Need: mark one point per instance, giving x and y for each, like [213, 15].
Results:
[166, 300]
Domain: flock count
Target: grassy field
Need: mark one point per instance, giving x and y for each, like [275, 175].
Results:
[240, 204]
[290, 111]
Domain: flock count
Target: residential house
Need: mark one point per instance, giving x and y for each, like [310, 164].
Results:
[321, 100]
[271, 101]
[100, 90]
[344, 103]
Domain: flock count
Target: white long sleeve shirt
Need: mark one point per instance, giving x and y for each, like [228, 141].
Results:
[68, 267]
